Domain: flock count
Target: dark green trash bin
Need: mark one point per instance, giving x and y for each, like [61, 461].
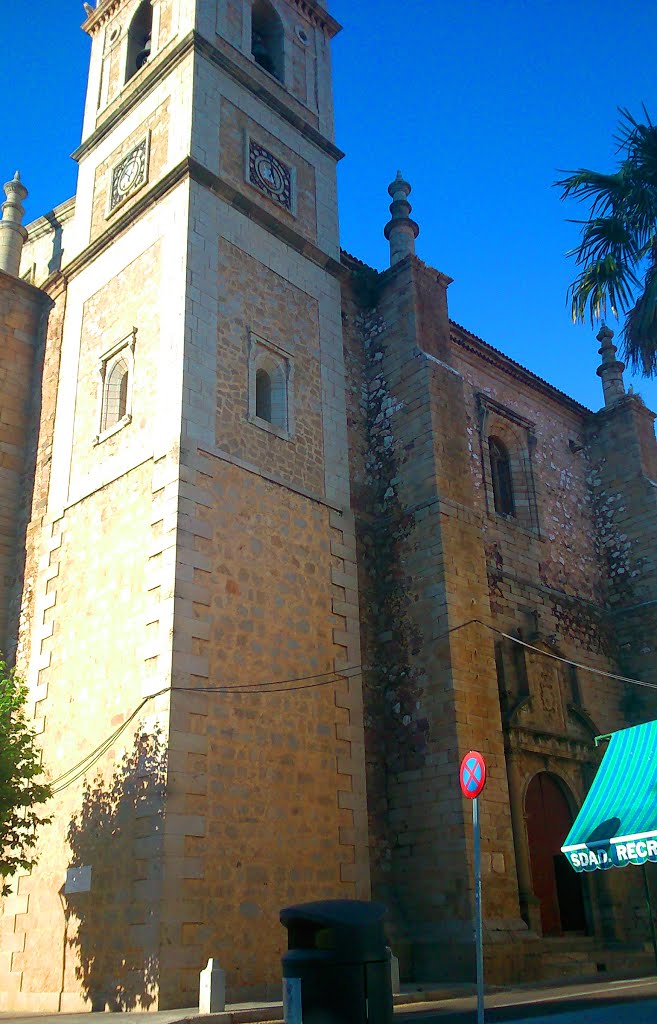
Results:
[336, 969]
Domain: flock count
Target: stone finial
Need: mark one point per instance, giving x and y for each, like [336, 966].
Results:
[400, 231]
[611, 369]
[12, 232]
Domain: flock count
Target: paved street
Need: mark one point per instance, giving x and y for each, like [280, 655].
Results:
[631, 1001]
[615, 1002]
[630, 1013]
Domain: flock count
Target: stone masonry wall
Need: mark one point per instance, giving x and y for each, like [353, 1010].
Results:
[279, 312]
[91, 600]
[622, 480]
[541, 574]
[43, 410]
[23, 310]
[113, 89]
[234, 127]
[129, 301]
[549, 580]
[396, 729]
[267, 785]
[550, 585]
[157, 127]
[428, 874]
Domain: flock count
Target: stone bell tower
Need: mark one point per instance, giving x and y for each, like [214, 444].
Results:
[191, 539]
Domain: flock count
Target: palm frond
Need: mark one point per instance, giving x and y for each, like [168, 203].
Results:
[638, 139]
[606, 236]
[604, 285]
[604, 191]
[618, 238]
[639, 336]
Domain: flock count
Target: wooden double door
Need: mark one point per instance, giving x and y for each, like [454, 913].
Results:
[555, 883]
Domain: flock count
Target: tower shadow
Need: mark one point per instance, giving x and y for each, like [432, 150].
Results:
[117, 834]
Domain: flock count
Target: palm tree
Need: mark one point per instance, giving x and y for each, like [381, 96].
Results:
[618, 247]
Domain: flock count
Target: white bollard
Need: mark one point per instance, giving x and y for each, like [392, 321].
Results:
[394, 971]
[212, 989]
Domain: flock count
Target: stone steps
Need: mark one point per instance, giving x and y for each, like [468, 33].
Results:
[587, 956]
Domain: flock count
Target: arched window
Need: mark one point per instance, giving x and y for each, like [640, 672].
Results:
[500, 469]
[267, 38]
[263, 395]
[115, 397]
[116, 373]
[271, 392]
[270, 387]
[139, 39]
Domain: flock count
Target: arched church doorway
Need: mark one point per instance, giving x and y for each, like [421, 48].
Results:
[555, 884]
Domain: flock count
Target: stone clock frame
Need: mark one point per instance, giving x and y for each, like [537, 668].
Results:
[251, 144]
[143, 144]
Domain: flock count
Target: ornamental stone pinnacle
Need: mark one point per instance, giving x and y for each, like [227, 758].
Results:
[12, 232]
[400, 231]
[611, 369]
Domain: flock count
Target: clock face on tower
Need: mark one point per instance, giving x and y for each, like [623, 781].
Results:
[129, 174]
[270, 175]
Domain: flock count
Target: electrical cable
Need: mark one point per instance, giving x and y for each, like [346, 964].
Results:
[101, 746]
[286, 686]
[281, 683]
[273, 686]
[568, 661]
[82, 767]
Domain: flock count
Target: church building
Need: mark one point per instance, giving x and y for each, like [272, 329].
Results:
[281, 542]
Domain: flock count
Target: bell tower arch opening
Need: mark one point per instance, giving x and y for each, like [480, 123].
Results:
[268, 39]
[557, 887]
[139, 39]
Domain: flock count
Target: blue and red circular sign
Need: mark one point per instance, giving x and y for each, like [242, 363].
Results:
[473, 774]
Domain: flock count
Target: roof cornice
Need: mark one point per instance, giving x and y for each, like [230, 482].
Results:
[471, 343]
[105, 10]
[318, 15]
[310, 9]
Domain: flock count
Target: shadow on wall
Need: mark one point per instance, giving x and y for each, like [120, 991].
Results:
[114, 924]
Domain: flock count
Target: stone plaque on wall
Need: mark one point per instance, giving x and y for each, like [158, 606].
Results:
[545, 685]
[78, 880]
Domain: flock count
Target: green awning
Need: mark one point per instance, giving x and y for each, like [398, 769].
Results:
[617, 824]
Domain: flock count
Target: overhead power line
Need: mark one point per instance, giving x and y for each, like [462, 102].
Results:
[308, 682]
[568, 661]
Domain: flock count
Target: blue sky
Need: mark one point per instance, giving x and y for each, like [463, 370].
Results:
[479, 104]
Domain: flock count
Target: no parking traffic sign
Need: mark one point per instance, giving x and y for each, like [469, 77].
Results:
[473, 774]
[472, 777]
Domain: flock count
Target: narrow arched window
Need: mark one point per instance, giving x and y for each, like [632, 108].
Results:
[139, 39]
[263, 395]
[267, 47]
[115, 398]
[500, 469]
[123, 393]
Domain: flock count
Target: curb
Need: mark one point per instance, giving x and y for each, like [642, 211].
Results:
[273, 1013]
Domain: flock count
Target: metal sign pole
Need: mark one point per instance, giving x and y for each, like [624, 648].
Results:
[650, 917]
[479, 946]
[472, 778]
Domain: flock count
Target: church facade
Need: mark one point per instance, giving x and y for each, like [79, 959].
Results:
[281, 542]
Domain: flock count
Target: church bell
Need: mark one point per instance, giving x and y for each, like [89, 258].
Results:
[260, 52]
[144, 53]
